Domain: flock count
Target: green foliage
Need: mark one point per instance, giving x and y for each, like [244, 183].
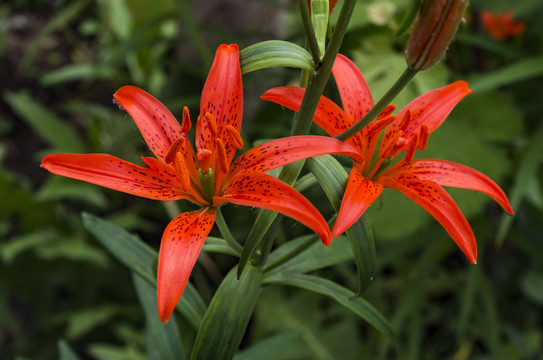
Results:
[75, 287]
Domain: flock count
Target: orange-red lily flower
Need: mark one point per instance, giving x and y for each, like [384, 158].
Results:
[420, 180]
[206, 177]
[501, 26]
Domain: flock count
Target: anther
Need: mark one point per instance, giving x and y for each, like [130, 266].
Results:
[386, 111]
[380, 125]
[186, 124]
[182, 171]
[411, 148]
[176, 147]
[423, 137]
[235, 138]
[221, 155]
[212, 124]
[404, 123]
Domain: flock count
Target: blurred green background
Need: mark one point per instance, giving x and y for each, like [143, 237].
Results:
[60, 63]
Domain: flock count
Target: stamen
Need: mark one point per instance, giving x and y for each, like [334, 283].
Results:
[212, 124]
[221, 155]
[377, 127]
[182, 171]
[176, 147]
[405, 121]
[186, 124]
[411, 148]
[386, 111]
[423, 137]
[390, 147]
[235, 138]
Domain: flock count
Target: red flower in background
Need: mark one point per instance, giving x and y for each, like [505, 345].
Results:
[420, 180]
[206, 177]
[501, 26]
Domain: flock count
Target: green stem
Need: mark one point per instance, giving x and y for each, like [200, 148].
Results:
[319, 80]
[309, 31]
[226, 234]
[402, 81]
[302, 123]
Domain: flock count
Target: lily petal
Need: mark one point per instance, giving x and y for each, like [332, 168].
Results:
[328, 115]
[435, 200]
[276, 153]
[360, 193]
[353, 88]
[447, 173]
[181, 244]
[222, 97]
[252, 188]
[431, 108]
[114, 173]
[156, 123]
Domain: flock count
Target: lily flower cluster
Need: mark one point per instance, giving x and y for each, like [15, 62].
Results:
[206, 174]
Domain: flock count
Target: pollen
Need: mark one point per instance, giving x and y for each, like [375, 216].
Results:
[386, 111]
[182, 171]
[411, 148]
[186, 124]
[423, 137]
[176, 147]
[212, 124]
[235, 138]
[221, 155]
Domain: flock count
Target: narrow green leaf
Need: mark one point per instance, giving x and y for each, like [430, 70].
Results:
[274, 53]
[271, 348]
[65, 352]
[228, 315]
[11, 249]
[305, 182]
[526, 68]
[337, 292]
[45, 123]
[127, 248]
[262, 223]
[317, 256]
[527, 172]
[77, 72]
[163, 341]
[218, 245]
[140, 257]
[319, 18]
[82, 322]
[332, 177]
[362, 244]
[60, 20]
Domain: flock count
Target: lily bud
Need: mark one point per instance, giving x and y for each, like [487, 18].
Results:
[434, 28]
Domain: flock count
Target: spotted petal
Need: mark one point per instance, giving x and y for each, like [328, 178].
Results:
[360, 193]
[157, 182]
[328, 115]
[276, 153]
[446, 173]
[252, 188]
[181, 244]
[434, 199]
[156, 123]
[222, 96]
[353, 89]
[431, 108]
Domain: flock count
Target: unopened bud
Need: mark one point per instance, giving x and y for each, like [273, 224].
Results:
[434, 28]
